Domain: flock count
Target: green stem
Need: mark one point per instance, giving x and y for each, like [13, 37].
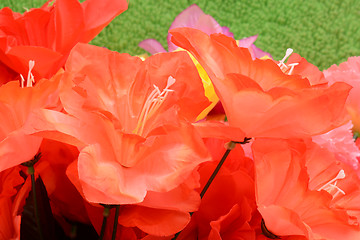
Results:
[356, 135]
[36, 209]
[106, 214]
[115, 222]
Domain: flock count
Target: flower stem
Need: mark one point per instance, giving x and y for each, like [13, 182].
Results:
[213, 175]
[36, 209]
[117, 210]
[106, 214]
[30, 169]
[229, 146]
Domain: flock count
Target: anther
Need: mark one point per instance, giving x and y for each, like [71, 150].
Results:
[331, 185]
[289, 51]
[153, 103]
[30, 77]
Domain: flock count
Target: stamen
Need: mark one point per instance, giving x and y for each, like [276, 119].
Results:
[30, 77]
[289, 51]
[331, 185]
[283, 66]
[152, 104]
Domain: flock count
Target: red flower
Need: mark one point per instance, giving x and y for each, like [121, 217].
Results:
[47, 34]
[16, 105]
[303, 190]
[258, 97]
[9, 219]
[66, 202]
[131, 122]
[227, 207]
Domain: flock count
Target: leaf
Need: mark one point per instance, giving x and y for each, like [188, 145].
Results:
[28, 228]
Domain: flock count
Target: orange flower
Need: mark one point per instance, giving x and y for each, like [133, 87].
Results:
[128, 117]
[131, 120]
[47, 34]
[226, 209]
[16, 105]
[258, 97]
[303, 190]
[300, 66]
[66, 202]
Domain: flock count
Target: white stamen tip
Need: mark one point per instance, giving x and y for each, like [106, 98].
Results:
[31, 65]
[289, 51]
[170, 81]
[152, 104]
[341, 175]
[30, 81]
[331, 185]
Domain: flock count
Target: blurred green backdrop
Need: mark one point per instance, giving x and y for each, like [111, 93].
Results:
[325, 32]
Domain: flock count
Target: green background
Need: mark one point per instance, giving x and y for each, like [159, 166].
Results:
[325, 32]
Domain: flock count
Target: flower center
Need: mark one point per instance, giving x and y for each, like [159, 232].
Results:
[287, 68]
[331, 187]
[30, 77]
[152, 104]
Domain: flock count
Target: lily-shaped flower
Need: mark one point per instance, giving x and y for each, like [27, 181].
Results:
[302, 190]
[17, 102]
[47, 34]
[258, 97]
[130, 119]
[194, 17]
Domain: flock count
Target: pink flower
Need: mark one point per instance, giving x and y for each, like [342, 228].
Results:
[348, 72]
[194, 17]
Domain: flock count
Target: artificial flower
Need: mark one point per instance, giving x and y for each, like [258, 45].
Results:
[16, 105]
[302, 190]
[66, 203]
[132, 121]
[297, 65]
[192, 17]
[233, 187]
[47, 34]
[348, 72]
[255, 52]
[258, 97]
[341, 143]
[9, 218]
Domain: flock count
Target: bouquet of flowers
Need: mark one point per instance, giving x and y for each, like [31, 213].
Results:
[213, 139]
